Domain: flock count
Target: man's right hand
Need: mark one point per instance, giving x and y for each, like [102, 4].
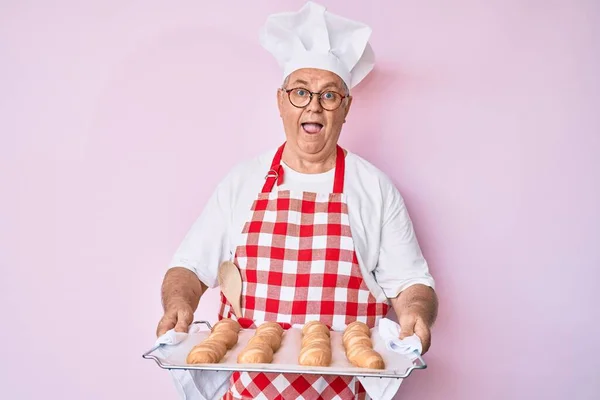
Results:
[178, 316]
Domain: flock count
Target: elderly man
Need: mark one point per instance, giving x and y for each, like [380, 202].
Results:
[317, 232]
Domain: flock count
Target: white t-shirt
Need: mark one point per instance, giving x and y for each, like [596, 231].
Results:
[387, 249]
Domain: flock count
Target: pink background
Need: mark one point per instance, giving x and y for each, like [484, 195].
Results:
[117, 118]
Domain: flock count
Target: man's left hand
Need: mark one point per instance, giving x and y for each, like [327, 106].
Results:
[412, 323]
[416, 309]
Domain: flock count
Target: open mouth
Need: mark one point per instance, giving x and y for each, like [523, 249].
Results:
[312, 127]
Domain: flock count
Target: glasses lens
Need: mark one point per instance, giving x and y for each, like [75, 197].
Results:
[330, 100]
[299, 97]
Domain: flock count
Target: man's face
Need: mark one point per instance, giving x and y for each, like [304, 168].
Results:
[313, 130]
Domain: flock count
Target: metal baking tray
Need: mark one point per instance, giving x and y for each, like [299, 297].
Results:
[285, 360]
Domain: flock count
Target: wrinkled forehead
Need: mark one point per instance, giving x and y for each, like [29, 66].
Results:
[315, 79]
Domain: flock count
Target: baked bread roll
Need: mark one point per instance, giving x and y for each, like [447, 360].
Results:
[359, 346]
[356, 338]
[365, 357]
[208, 351]
[257, 352]
[261, 347]
[227, 324]
[223, 336]
[315, 326]
[357, 326]
[314, 338]
[316, 345]
[228, 338]
[269, 325]
[318, 355]
[272, 339]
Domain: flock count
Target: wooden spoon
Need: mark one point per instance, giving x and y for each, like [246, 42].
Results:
[230, 282]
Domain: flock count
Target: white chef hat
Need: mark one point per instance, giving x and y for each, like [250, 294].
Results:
[315, 38]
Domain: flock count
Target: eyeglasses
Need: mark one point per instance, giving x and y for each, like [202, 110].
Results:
[300, 98]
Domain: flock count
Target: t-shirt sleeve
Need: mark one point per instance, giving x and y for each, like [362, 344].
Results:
[205, 245]
[401, 263]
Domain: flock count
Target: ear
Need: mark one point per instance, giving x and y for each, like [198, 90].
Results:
[280, 97]
[347, 107]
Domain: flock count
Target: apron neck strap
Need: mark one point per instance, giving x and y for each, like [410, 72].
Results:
[275, 174]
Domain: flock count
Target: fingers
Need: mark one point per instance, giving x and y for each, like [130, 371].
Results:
[423, 332]
[413, 324]
[184, 319]
[167, 322]
[177, 318]
[407, 325]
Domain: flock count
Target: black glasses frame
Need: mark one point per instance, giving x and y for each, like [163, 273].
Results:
[288, 91]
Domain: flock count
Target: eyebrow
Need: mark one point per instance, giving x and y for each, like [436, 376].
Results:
[326, 86]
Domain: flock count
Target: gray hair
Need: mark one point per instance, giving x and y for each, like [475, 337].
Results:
[344, 86]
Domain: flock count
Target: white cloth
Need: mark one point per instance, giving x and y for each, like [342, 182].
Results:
[386, 388]
[385, 242]
[315, 38]
[390, 332]
[171, 337]
[194, 384]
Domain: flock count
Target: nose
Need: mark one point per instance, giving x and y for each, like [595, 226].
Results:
[314, 104]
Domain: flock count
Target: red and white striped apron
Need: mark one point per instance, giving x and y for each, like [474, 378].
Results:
[298, 264]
